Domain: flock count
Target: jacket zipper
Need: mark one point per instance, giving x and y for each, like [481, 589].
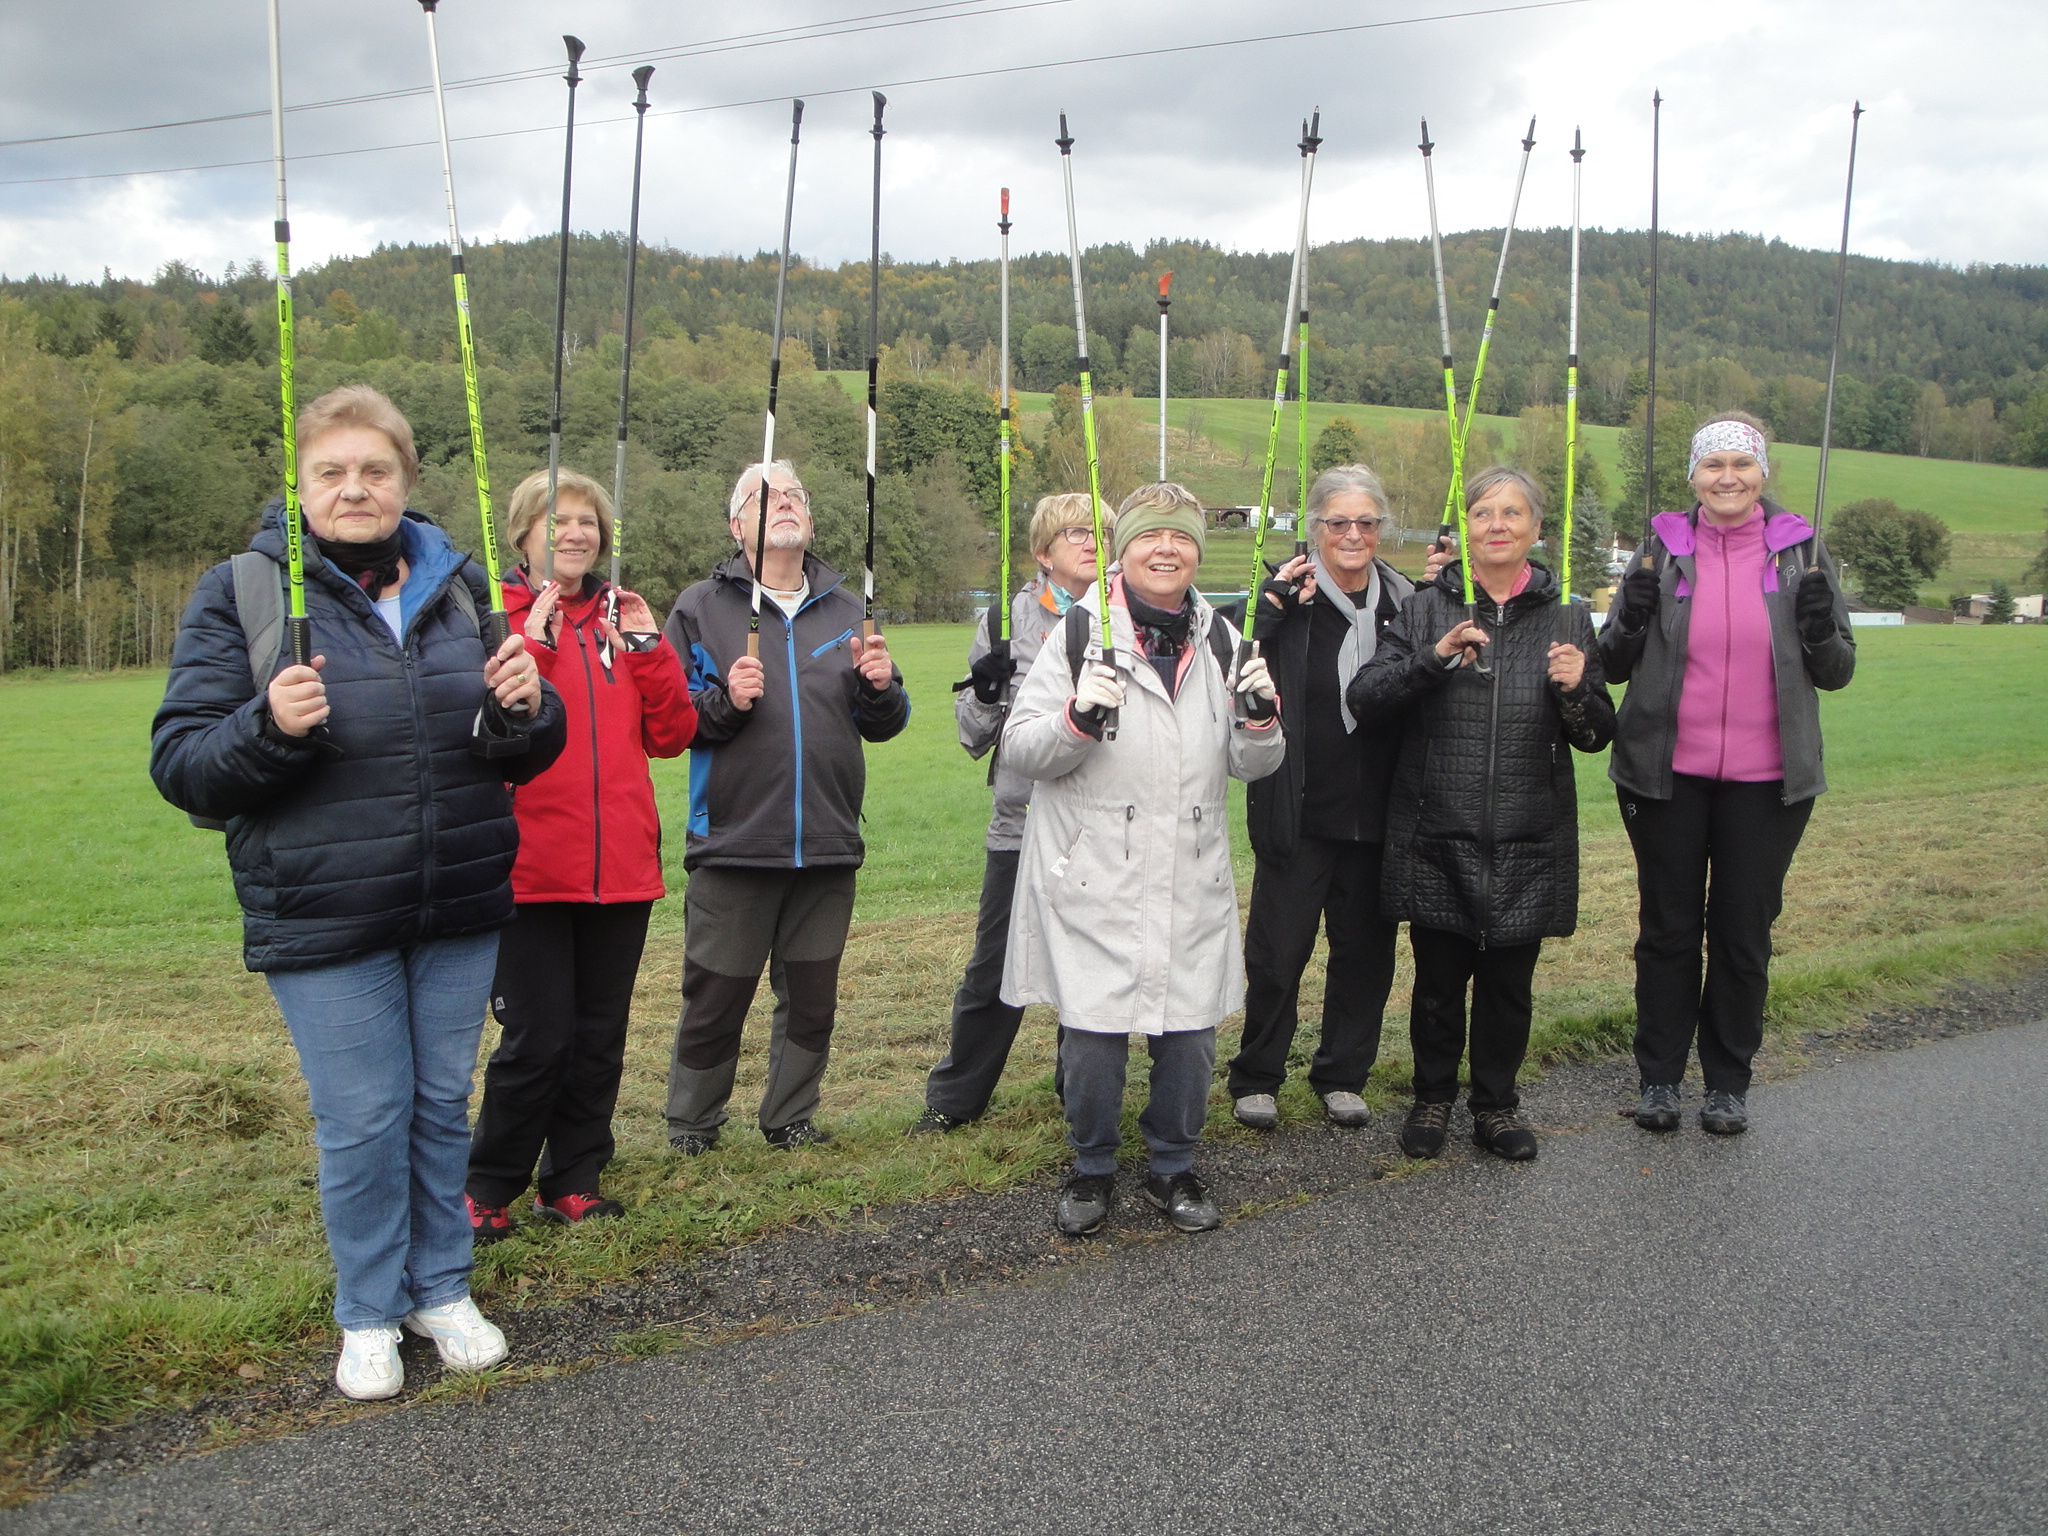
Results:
[1198, 831]
[796, 719]
[596, 803]
[1130, 815]
[1500, 615]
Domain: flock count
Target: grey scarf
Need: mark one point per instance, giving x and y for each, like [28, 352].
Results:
[1364, 638]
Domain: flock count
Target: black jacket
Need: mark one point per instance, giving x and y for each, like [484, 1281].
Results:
[1273, 805]
[391, 832]
[1483, 827]
[779, 786]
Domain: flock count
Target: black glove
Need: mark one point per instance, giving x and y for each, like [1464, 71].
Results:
[1276, 600]
[989, 677]
[1815, 607]
[1638, 599]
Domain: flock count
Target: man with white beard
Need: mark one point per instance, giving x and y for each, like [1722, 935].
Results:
[777, 775]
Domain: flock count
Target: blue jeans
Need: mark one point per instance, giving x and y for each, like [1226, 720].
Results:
[388, 1046]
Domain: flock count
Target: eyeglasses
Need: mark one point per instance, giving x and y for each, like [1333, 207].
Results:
[1340, 526]
[796, 496]
[1078, 535]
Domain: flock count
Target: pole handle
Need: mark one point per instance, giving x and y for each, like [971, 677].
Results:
[299, 631]
[641, 76]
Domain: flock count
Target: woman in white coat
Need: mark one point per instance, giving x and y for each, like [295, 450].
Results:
[1125, 918]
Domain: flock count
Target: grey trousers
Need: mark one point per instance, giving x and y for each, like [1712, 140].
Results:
[1183, 1064]
[735, 921]
[984, 1026]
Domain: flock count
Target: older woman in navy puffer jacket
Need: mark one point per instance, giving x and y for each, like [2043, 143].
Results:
[371, 836]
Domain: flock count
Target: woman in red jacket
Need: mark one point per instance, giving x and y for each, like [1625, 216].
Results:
[589, 869]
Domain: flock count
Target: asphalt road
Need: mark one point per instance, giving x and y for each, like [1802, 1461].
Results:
[1838, 1323]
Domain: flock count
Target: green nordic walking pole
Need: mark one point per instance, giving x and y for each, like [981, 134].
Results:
[1311, 140]
[298, 628]
[999, 631]
[1571, 410]
[496, 626]
[1066, 144]
[1265, 509]
[1452, 496]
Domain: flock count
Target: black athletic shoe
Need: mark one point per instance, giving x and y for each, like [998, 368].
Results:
[487, 1223]
[1084, 1201]
[1504, 1133]
[1657, 1109]
[693, 1143]
[798, 1133]
[1423, 1132]
[936, 1122]
[1186, 1203]
[1724, 1114]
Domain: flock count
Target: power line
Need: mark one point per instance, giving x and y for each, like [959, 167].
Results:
[845, 90]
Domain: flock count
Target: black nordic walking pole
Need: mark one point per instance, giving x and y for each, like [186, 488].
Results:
[867, 611]
[298, 628]
[1066, 144]
[1650, 400]
[575, 47]
[640, 78]
[1280, 381]
[1165, 303]
[1311, 140]
[999, 631]
[796, 124]
[1571, 408]
[1827, 418]
[1443, 320]
[496, 627]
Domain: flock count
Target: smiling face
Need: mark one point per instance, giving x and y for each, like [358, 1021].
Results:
[1504, 529]
[789, 514]
[353, 485]
[1728, 483]
[1348, 536]
[1159, 566]
[579, 539]
[1069, 561]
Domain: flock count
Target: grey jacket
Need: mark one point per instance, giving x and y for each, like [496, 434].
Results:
[1033, 615]
[1652, 660]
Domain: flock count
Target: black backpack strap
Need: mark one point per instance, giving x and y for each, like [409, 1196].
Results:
[1077, 641]
[1221, 646]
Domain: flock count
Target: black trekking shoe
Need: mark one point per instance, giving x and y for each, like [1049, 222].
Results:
[1186, 1203]
[936, 1122]
[1657, 1109]
[1724, 1114]
[796, 1134]
[1504, 1133]
[1083, 1204]
[693, 1143]
[1423, 1132]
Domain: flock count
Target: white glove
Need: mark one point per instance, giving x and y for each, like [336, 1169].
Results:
[1255, 680]
[1099, 688]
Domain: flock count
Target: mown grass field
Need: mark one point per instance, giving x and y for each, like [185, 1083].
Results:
[159, 1231]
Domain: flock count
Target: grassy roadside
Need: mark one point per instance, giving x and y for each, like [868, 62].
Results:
[159, 1238]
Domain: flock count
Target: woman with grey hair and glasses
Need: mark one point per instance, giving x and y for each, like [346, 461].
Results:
[1482, 850]
[1318, 826]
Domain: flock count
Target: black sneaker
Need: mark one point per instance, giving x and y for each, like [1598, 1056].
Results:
[798, 1133]
[1504, 1133]
[1185, 1201]
[693, 1143]
[1083, 1205]
[1423, 1132]
[936, 1122]
[1657, 1109]
[1724, 1114]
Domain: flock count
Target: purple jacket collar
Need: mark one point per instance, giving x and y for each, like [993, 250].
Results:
[1679, 533]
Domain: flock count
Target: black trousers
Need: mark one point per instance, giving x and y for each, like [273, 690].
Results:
[984, 1026]
[1500, 977]
[1710, 863]
[562, 994]
[1332, 885]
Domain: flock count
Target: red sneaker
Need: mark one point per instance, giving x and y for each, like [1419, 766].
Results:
[487, 1223]
[570, 1209]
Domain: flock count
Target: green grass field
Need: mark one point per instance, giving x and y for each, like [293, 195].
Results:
[159, 1232]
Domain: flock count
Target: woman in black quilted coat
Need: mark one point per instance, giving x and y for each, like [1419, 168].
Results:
[1482, 852]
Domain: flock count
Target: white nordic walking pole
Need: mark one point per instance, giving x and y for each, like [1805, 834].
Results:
[640, 78]
[1165, 283]
[575, 47]
[796, 124]
[867, 610]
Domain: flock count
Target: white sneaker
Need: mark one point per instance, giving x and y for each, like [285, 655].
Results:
[369, 1369]
[465, 1338]
[1256, 1110]
[1347, 1110]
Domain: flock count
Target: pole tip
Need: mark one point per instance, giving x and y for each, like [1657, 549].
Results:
[796, 117]
[428, 6]
[1165, 282]
[641, 76]
[1578, 146]
[1425, 146]
[1529, 143]
[1066, 139]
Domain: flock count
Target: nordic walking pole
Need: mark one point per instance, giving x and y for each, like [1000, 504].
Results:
[1066, 144]
[298, 628]
[1251, 595]
[1000, 631]
[1165, 303]
[575, 47]
[1827, 418]
[796, 124]
[1443, 320]
[497, 627]
[867, 610]
[640, 78]
[1650, 400]
[1571, 408]
[1311, 139]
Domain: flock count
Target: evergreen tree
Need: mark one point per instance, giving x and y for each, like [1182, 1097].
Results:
[1884, 570]
[2001, 604]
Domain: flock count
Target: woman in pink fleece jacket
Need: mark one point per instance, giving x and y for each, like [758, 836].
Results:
[1730, 618]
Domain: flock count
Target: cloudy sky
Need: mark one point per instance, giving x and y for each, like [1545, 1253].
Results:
[1195, 142]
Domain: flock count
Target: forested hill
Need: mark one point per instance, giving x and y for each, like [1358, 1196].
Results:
[1740, 317]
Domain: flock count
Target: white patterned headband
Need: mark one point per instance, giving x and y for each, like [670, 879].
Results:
[1728, 437]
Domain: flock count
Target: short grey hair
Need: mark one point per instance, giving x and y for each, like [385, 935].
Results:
[1343, 481]
[748, 487]
[1494, 476]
